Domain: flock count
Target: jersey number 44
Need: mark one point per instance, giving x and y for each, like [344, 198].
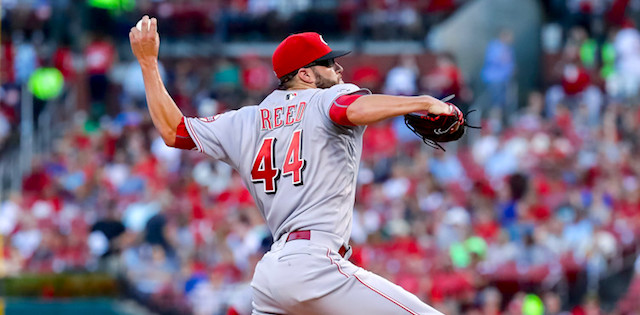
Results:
[264, 169]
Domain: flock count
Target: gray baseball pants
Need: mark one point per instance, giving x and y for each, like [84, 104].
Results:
[310, 277]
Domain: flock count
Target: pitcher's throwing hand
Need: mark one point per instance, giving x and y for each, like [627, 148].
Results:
[145, 41]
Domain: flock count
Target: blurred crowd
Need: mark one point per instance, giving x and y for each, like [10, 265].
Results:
[543, 200]
[37, 34]
[230, 20]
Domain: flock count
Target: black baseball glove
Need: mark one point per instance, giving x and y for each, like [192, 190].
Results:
[433, 129]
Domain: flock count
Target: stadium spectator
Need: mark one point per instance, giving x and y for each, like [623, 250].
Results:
[257, 77]
[64, 60]
[627, 51]
[402, 79]
[26, 57]
[446, 79]
[99, 57]
[575, 88]
[499, 69]
[367, 75]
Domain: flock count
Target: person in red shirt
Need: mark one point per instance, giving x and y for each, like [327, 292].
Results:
[257, 78]
[99, 57]
[575, 79]
[63, 60]
[7, 54]
[445, 79]
[485, 225]
[367, 75]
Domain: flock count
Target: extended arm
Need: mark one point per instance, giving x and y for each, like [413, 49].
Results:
[369, 109]
[165, 114]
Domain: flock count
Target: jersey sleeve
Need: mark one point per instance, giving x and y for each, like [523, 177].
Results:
[333, 109]
[213, 135]
[183, 139]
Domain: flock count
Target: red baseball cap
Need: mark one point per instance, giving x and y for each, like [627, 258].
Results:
[299, 50]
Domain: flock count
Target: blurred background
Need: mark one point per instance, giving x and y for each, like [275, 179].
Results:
[536, 213]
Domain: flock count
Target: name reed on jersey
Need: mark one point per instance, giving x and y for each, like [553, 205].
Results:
[273, 118]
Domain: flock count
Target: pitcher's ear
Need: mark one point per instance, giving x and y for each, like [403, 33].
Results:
[306, 75]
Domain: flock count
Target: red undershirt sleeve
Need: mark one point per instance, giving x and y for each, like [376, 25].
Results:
[183, 140]
[338, 110]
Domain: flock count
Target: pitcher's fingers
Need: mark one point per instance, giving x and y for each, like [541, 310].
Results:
[132, 34]
[135, 31]
[145, 24]
[154, 25]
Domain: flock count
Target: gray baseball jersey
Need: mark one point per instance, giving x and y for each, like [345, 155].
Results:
[301, 169]
[299, 165]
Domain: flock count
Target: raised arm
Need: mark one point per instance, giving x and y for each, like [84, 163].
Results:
[369, 109]
[165, 114]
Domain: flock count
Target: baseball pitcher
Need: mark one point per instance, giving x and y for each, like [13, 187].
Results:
[298, 154]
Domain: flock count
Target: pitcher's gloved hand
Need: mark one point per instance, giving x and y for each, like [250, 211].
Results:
[433, 129]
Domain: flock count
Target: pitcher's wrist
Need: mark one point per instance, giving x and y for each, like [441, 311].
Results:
[148, 62]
